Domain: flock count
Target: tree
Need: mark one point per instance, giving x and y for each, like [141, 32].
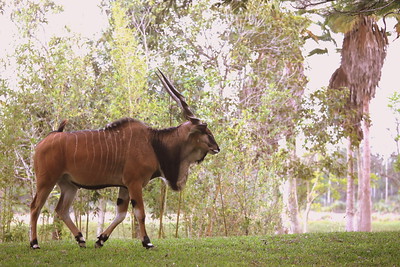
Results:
[320, 112]
[363, 54]
[272, 90]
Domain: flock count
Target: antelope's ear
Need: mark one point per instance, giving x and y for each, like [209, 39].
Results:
[200, 128]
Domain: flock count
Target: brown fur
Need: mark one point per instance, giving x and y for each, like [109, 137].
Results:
[126, 153]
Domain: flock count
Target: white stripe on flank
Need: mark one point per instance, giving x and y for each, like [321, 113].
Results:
[106, 141]
[76, 148]
[87, 148]
[116, 151]
[94, 152]
[101, 152]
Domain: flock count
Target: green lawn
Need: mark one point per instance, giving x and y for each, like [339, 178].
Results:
[325, 226]
[322, 249]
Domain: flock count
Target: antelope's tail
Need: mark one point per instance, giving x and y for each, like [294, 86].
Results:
[62, 125]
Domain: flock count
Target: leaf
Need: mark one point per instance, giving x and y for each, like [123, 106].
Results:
[318, 51]
[397, 28]
[312, 35]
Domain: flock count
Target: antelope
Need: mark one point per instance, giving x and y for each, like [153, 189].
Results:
[125, 154]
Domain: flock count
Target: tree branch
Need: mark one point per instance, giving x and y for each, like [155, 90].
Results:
[304, 4]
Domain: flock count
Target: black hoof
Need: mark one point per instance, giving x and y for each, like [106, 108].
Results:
[100, 242]
[146, 243]
[81, 241]
[34, 244]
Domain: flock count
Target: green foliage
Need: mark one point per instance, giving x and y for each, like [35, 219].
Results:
[318, 51]
[389, 206]
[336, 206]
[394, 105]
[323, 114]
[128, 83]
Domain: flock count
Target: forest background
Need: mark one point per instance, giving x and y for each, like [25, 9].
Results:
[242, 66]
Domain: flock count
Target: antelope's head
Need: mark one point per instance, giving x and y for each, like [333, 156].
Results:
[199, 140]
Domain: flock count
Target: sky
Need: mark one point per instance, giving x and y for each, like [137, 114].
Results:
[86, 18]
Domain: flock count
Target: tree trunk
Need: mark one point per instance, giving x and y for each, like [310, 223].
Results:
[308, 208]
[350, 189]
[102, 215]
[311, 196]
[359, 193]
[328, 193]
[57, 224]
[178, 214]
[386, 190]
[87, 221]
[387, 181]
[163, 203]
[290, 207]
[365, 211]
[222, 206]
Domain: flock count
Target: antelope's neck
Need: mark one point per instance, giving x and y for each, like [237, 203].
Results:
[167, 145]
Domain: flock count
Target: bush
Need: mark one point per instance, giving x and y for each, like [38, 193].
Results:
[337, 206]
[19, 232]
[391, 206]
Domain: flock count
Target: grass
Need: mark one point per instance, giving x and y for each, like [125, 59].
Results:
[324, 226]
[322, 249]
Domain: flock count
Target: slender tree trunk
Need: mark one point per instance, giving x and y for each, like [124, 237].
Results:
[308, 208]
[311, 196]
[350, 196]
[102, 215]
[387, 181]
[290, 206]
[1, 215]
[212, 213]
[365, 210]
[360, 172]
[178, 214]
[188, 225]
[290, 213]
[328, 194]
[57, 224]
[80, 211]
[222, 206]
[87, 218]
[163, 202]
[134, 225]
[386, 190]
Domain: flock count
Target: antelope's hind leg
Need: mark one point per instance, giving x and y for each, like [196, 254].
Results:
[122, 207]
[42, 193]
[68, 192]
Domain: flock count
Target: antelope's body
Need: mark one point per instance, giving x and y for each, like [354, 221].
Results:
[127, 154]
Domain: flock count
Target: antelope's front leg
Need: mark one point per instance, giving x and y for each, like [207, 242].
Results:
[135, 193]
[122, 207]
